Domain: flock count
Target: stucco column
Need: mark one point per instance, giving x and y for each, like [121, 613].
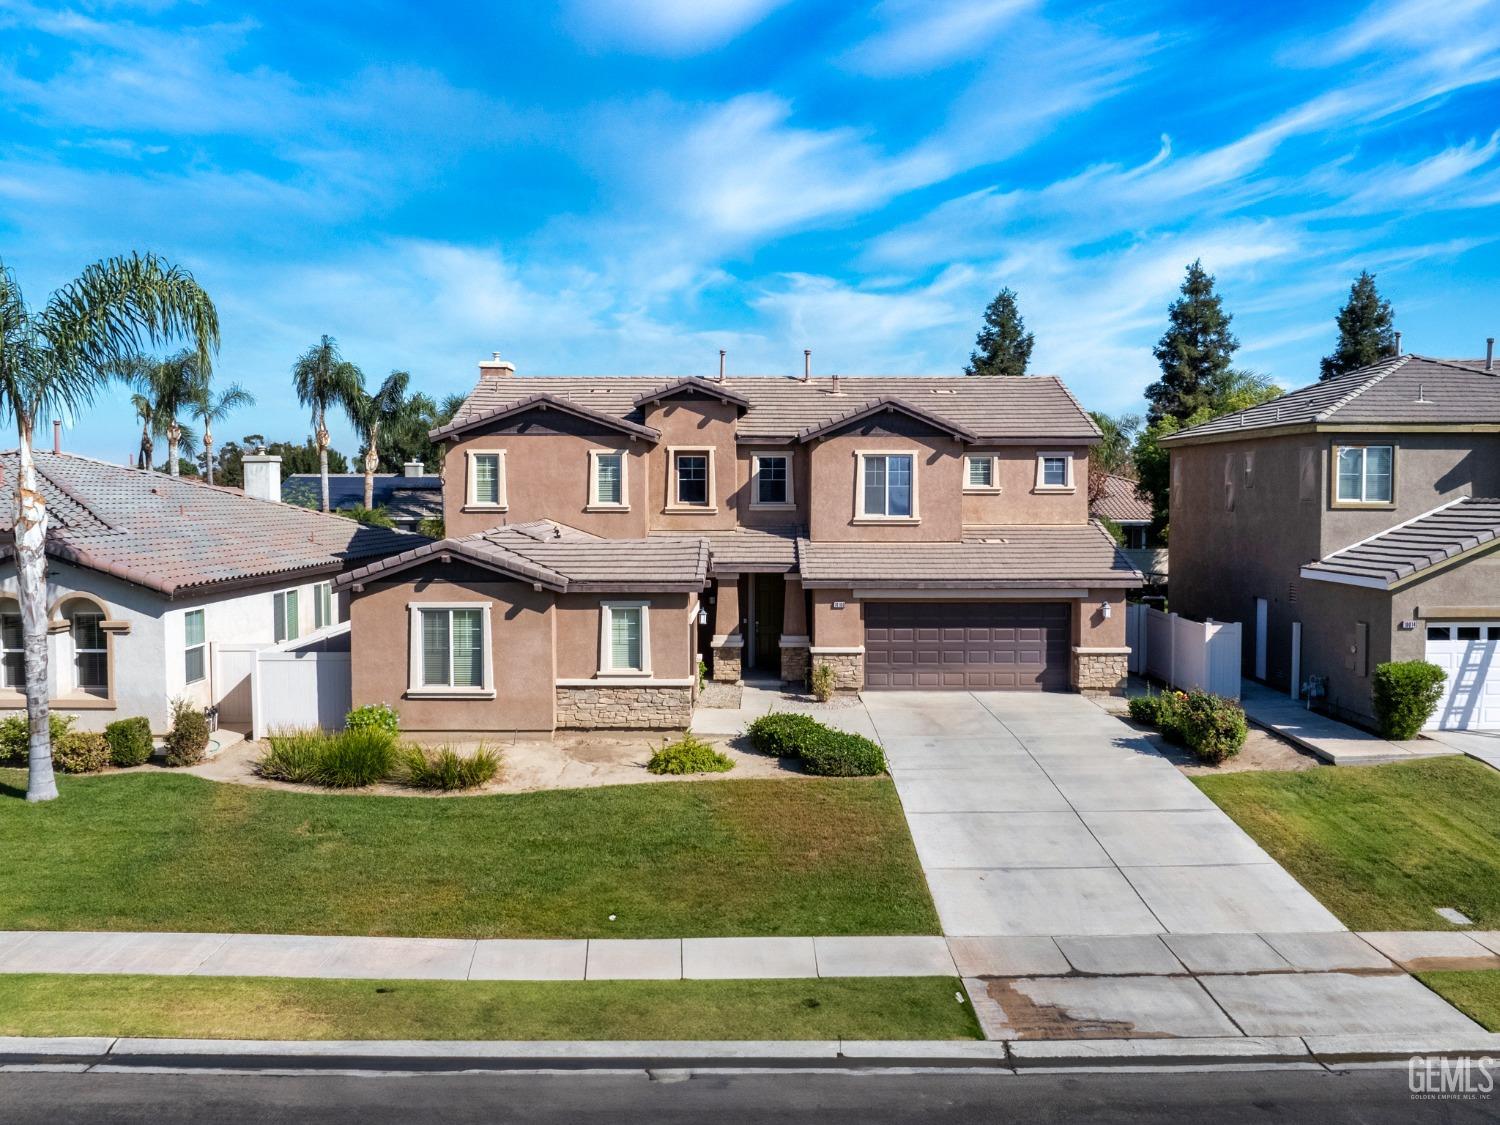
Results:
[794, 638]
[838, 637]
[728, 643]
[1100, 655]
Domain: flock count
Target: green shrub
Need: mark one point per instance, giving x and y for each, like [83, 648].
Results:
[374, 716]
[346, 760]
[837, 753]
[129, 741]
[823, 682]
[1406, 693]
[187, 741]
[15, 735]
[294, 755]
[1162, 711]
[81, 751]
[781, 733]
[689, 754]
[1213, 727]
[445, 767]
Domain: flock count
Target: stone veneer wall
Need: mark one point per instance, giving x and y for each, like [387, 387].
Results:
[1103, 670]
[848, 668]
[727, 663]
[624, 708]
[795, 664]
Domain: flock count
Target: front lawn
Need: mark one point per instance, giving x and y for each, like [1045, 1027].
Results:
[270, 1008]
[161, 851]
[1475, 993]
[1380, 846]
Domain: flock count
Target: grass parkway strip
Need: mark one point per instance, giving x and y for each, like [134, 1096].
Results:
[158, 852]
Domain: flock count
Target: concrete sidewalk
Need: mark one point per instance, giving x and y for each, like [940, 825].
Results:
[1331, 740]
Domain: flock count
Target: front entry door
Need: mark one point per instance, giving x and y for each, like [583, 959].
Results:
[769, 603]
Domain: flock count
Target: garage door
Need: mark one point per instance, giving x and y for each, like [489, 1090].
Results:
[1469, 652]
[979, 646]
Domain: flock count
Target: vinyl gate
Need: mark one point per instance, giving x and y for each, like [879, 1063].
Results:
[302, 683]
[1193, 655]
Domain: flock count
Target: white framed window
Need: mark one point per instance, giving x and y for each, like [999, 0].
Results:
[284, 608]
[690, 481]
[887, 486]
[1054, 472]
[485, 477]
[607, 479]
[625, 638]
[323, 605]
[90, 648]
[195, 647]
[12, 647]
[1364, 474]
[449, 649]
[981, 473]
[771, 480]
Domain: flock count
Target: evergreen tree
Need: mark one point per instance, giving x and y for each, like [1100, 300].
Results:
[1003, 346]
[1195, 351]
[1367, 331]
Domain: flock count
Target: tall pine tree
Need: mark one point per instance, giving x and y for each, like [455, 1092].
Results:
[1195, 351]
[1003, 346]
[1367, 332]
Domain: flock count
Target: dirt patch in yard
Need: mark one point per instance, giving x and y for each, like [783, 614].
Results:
[1262, 751]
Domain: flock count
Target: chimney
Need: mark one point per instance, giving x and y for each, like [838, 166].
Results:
[721, 365]
[806, 364]
[1489, 353]
[496, 368]
[1398, 343]
[413, 469]
[262, 476]
[57, 436]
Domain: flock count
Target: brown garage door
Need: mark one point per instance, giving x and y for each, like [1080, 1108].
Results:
[994, 646]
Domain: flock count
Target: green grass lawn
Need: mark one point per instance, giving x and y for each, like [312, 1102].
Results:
[1380, 846]
[269, 1008]
[1476, 993]
[161, 851]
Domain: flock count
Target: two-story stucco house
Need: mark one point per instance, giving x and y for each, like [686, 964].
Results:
[1345, 524]
[607, 533]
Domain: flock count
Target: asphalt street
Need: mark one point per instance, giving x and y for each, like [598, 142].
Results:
[1367, 1097]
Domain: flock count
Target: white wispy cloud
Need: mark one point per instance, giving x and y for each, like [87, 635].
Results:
[667, 27]
[918, 35]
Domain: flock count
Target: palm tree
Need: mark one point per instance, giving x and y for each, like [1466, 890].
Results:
[209, 408]
[370, 412]
[325, 379]
[54, 360]
[145, 410]
[164, 391]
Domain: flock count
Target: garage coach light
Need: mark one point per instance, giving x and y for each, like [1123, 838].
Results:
[1106, 610]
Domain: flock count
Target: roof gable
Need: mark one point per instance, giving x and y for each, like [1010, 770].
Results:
[689, 386]
[463, 423]
[886, 405]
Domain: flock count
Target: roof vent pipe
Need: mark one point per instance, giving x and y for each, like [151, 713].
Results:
[56, 436]
[1489, 353]
[835, 382]
[721, 365]
[807, 363]
[1398, 343]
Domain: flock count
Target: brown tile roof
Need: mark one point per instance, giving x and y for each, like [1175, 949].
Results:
[993, 409]
[747, 550]
[467, 419]
[177, 535]
[1406, 550]
[1120, 502]
[693, 385]
[886, 404]
[1402, 390]
[1032, 555]
[563, 558]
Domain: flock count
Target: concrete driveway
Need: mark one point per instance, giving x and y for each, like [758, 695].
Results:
[1042, 814]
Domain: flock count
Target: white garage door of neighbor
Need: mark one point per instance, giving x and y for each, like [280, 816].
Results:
[1469, 651]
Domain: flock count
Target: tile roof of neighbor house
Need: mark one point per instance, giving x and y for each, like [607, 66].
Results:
[782, 407]
[562, 558]
[1120, 502]
[1402, 390]
[745, 550]
[1406, 550]
[403, 497]
[1030, 555]
[177, 535]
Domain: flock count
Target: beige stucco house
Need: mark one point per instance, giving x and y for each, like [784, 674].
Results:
[605, 534]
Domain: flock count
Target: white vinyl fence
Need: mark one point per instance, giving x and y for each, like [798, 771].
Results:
[302, 683]
[1202, 655]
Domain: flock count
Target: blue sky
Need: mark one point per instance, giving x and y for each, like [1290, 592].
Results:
[626, 186]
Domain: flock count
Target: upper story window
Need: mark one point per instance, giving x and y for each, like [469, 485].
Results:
[692, 483]
[195, 649]
[771, 480]
[887, 485]
[287, 619]
[606, 479]
[486, 479]
[449, 649]
[1054, 472]
[1364, 474]
[13, 660]
[322, 605]
[979, 473]
[625, 638]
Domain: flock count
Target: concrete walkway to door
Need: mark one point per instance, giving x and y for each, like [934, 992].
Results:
[1042, 814]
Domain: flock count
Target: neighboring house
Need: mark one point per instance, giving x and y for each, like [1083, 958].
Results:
[1123, 506]
[408, 497]
[908, 532]
[149, 575]
[1345, 525]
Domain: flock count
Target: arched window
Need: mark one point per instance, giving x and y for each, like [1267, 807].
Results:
[12, 654]
[90, 646]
